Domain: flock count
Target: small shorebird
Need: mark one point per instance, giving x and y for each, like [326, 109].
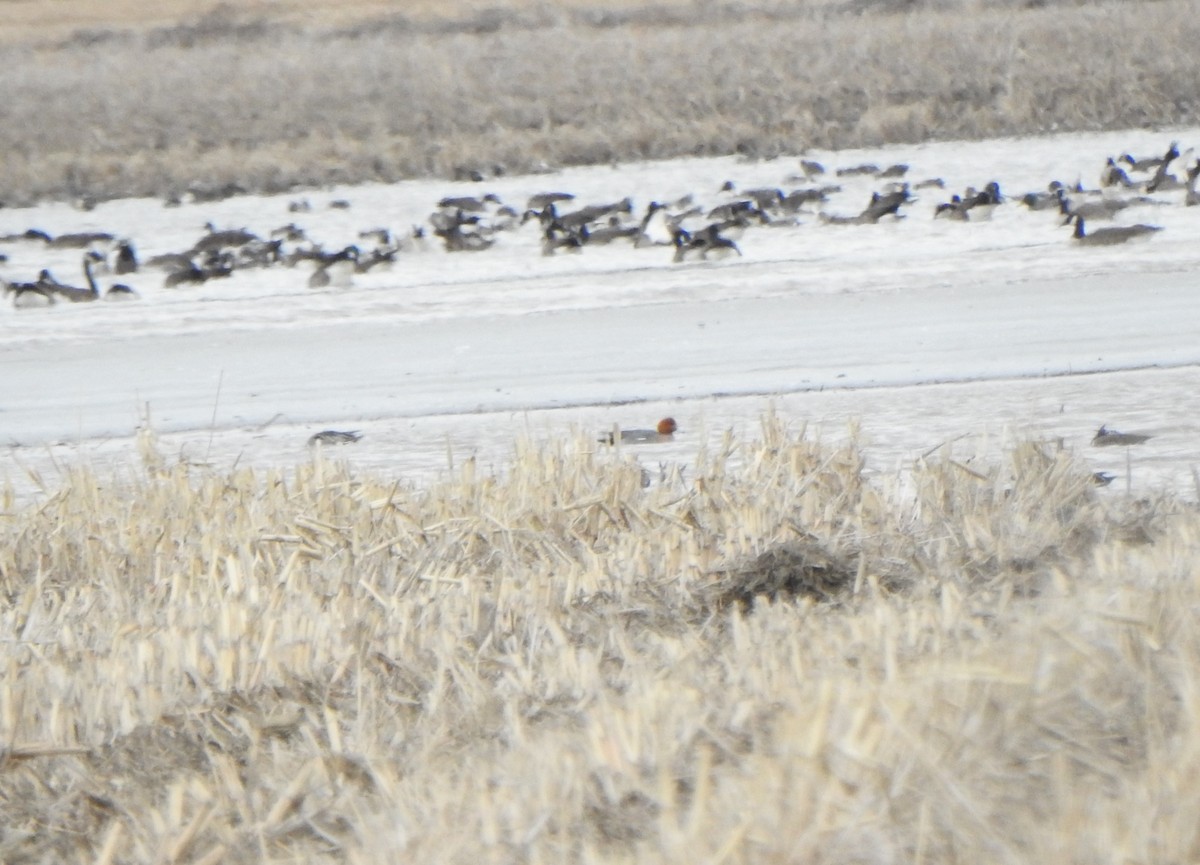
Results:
[664, 432]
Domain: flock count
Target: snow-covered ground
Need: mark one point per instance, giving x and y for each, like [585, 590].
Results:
[922, 331]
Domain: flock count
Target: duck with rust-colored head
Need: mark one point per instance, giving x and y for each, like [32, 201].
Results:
[664, 432]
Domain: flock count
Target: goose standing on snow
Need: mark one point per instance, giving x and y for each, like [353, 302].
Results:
[126, 258]
[117, 292]
[1113, 175]
[47, 282]
[1109, 236]
[336, 269]
[1192, 198]
[28, 295]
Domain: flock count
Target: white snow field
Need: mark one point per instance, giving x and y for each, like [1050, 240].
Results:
[919, 332]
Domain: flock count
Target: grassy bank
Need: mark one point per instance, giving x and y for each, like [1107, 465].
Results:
[781, 661]
[240, 100]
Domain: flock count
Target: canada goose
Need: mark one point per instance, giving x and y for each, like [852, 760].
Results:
[866, 169]
[69, 292]
[1192, 198]
[1051, 198]
[414, 241]
[1113, 175]
[336, 269]
[334, 437]
[79, 240]
[28, 295]
[469, 203]
[614, 230]
[382, 236]
[1149, 163]
[1107, 438]
[170, 261]
[187, 274]
[1162, 180]
[117, 292]
[887, 204]
[979, 205]
[569, 238]
[840, 219]
[880, 206]
[262, 253]
[443, 220]
[1102, 208]
[506, 218]
[593, 212]
[664, 431]
[765, 199]
[733, 208]
[797, 198]
[220, 239]
[894, 172]
[1109, 236]
[952, 209]
[655, 228]
[291, 232]
[544, 216]
[126, 258]
[541, 199]
[455, 239]
[217, 263]
[706, 242]
[381, 257]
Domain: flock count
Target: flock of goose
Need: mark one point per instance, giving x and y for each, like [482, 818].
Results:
[688, 229]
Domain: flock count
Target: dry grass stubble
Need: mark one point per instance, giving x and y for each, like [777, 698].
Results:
[970, 663]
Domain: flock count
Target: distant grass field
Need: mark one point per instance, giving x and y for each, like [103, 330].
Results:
[773, 659]
[271, 97]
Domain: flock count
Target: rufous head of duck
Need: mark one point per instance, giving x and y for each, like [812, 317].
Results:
[667, 426]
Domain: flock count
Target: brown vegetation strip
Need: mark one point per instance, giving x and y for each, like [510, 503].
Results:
[779, 656]
[265, 104]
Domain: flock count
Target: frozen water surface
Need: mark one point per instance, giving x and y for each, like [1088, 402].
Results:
[920, 331]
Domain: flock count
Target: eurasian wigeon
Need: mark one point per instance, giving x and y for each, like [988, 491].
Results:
[664, 432]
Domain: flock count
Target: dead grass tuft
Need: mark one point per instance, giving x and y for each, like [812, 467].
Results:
[783, 656]
[797, 569]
